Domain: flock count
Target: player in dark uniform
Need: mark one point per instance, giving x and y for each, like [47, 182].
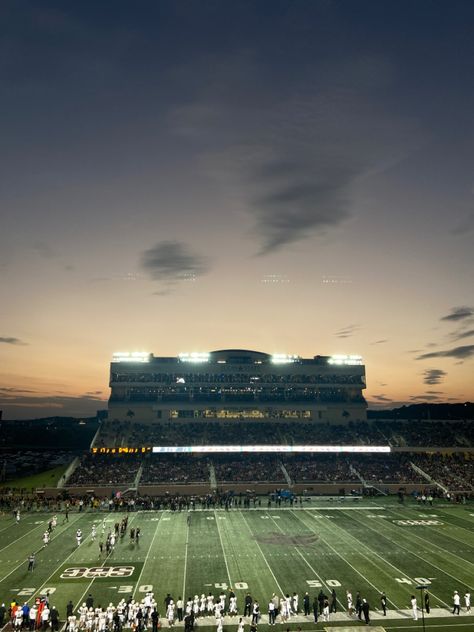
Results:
[31, 562]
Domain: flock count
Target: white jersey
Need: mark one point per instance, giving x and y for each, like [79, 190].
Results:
[233, 605]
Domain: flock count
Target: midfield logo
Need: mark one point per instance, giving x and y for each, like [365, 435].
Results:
[97, 572]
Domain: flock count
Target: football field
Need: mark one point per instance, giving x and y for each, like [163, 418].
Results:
[366, 546]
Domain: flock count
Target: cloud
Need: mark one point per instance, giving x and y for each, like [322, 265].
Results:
[346, 332]
[8, 390]
[427, 397]
[460, 353]
[460, 335]
[379, 342]
[44, 250]
[294, 154]
[459, 313]
[381, 398]
[172, 261]
[434, 376]
[10, 340]
[465, 225]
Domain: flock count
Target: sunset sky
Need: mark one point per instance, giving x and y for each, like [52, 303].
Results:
[286, 176]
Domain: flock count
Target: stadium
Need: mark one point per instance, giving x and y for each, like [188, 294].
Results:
[246, 475]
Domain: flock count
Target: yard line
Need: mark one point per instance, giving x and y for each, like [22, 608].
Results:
[382, 558]
[428, 625]
[463, 560]
[23, 536]
[2, 579]
[346, 561]
[147, 554]
[425, 559]
[58, 567]
[261, 552]
[186, 555]
[222, 545]
[79, 601]
[308, 564]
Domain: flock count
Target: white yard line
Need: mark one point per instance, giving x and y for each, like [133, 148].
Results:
[309, 565]
[25, 561]
[57, 568]
[146, 556]
[382, 558]
[185, 557]
[222, 546]
[449, 554]
[261, 552]
[425, 559]
[379, 591]
[79, 601]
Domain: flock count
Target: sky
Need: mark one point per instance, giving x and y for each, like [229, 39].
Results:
[286, 176]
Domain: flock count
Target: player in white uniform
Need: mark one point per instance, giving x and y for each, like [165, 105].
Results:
[45, 538]
[241, 625]
[170, 613]
[414, 608]
[94, 532]
[467, 601]
[196, 605]
[233, 606]
[78, 537]
[202, 605]
[72, 624]
[210, 603]
[82, 616]
[350, 604]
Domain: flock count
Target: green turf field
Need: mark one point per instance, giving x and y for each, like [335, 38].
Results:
[368, 546]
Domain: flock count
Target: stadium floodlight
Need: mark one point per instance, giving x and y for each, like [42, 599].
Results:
[347, 360]
[194, 356]
[284, 358]
[131, 356]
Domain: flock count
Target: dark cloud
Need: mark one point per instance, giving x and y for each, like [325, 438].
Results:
[381, 398]
[465, 225]
[10, 390]
[434, 376]
[379, 342]
[460, 335]
[10, 340]
[459, 313]
[346, 332]
[172, 261]
[290, 213]
[294, 154]
[427, 397]
[44, 250]
[460, 353]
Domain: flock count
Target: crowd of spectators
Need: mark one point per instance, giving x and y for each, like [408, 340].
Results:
[175, 469]
[428, 433]
[294, 432]
[248, 468]
[379, 469]
[235, 432]
[454, 472]
[105, 470]
[321, 468]
[18, 463]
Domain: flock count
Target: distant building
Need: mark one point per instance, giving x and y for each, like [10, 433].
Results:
[236, 384]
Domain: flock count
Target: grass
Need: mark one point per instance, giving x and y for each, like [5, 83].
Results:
[48, 478]
[367, 547]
